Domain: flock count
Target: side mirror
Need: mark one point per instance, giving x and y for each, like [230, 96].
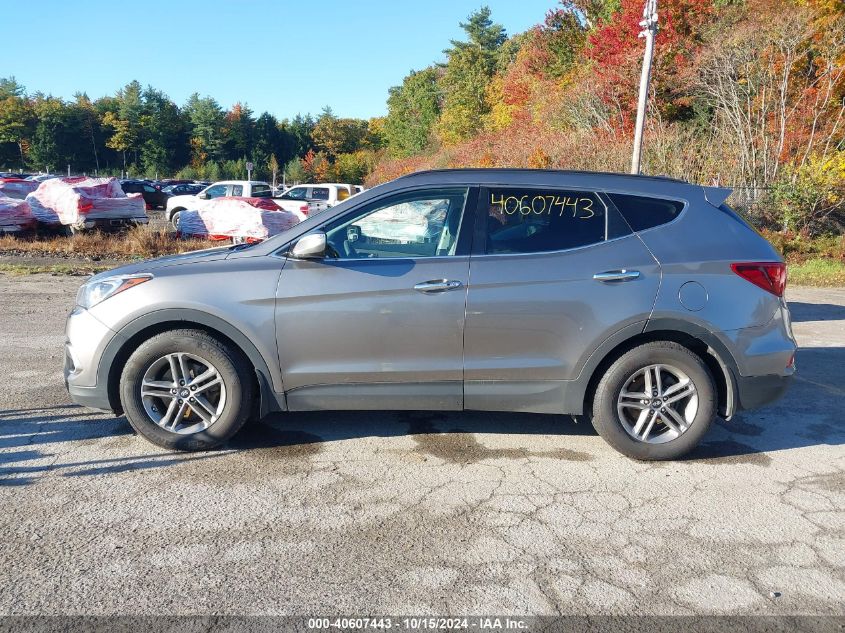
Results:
[311, 246]
[202, 196]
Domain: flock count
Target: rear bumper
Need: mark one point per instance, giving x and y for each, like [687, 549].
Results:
[758, 391]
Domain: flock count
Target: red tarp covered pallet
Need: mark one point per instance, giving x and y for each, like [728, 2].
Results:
[15, 215]
[17, 188]
[71, 201]
[246, 218]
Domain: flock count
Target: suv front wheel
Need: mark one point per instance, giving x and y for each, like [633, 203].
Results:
[186, 390]
[655, 402]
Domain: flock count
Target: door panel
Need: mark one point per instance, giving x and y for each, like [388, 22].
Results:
[378, 323]
[533, 319]
[350, 331]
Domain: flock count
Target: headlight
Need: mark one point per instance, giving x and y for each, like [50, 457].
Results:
[94, 292]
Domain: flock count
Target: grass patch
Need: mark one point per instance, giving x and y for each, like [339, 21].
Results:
[817, 272]
[139, 242]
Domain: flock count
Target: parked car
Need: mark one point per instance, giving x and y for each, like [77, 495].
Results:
[645, 303]
[42, 177]
[154, 198]
[194, 202]
[183, 189]
[320, 196]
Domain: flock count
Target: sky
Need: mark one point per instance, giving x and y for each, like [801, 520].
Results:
[284, 57]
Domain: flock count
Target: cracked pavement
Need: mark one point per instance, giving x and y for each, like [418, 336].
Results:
[414, 512]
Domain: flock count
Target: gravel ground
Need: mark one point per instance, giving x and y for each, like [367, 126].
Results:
[419, 513]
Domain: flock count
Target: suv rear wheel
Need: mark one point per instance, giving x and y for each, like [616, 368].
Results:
[655, 402]
[186, 390]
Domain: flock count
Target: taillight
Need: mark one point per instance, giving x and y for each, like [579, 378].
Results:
[770, 276]
[304, 208]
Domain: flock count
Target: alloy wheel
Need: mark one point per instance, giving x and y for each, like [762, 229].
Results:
[183, 393]
[657, 404]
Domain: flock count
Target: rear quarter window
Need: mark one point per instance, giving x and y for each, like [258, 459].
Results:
[642, 212]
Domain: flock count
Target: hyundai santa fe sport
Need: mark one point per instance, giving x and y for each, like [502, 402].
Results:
[646, 304]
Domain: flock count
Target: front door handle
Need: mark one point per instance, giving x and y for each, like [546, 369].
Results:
[437, 285]
[612, 276]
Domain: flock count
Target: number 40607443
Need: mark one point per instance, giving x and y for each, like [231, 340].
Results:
[578, 208]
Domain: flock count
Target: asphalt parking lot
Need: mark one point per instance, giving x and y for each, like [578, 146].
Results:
[415, 513]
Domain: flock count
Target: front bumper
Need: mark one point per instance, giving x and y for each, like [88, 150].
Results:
[85, 339]
[91, 397]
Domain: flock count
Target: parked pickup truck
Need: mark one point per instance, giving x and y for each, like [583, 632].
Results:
[319, 196]
[245, 188]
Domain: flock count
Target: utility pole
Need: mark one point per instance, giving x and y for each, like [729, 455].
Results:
[649, 24]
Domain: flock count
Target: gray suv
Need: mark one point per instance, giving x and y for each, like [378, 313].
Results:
[644, 303]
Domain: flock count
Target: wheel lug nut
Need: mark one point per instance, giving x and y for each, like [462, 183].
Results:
[182, 383]
[173, 391]
[193, 388]
[179, 401]
[662, 410]
[192, 400]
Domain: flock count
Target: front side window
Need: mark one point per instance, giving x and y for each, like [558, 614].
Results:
[297, 193]
[541, 220]
[418, 224]
[217, 191]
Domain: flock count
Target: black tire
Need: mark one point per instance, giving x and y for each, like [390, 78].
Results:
[232, 367]
[606, 418]
[174, 219]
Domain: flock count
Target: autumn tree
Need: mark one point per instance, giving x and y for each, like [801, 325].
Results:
[470, 66]
[412, 112]
[239, 128]
[335, 135]
[206, 119]
[163, 131]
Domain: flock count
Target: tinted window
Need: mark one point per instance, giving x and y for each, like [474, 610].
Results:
[644, 213]
[260, 188]
[418, 224]
[237, 190]
[540, 220]
[297, 193]
[320, 193]
[149, 189]
[217, 191]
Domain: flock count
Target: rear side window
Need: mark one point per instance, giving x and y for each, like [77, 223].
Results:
[540, 220]
[237, 190]
[260, 188]
[320, 193]
[644, 213]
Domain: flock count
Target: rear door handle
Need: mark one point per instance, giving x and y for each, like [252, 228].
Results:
[611, 276]
[437, 285]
